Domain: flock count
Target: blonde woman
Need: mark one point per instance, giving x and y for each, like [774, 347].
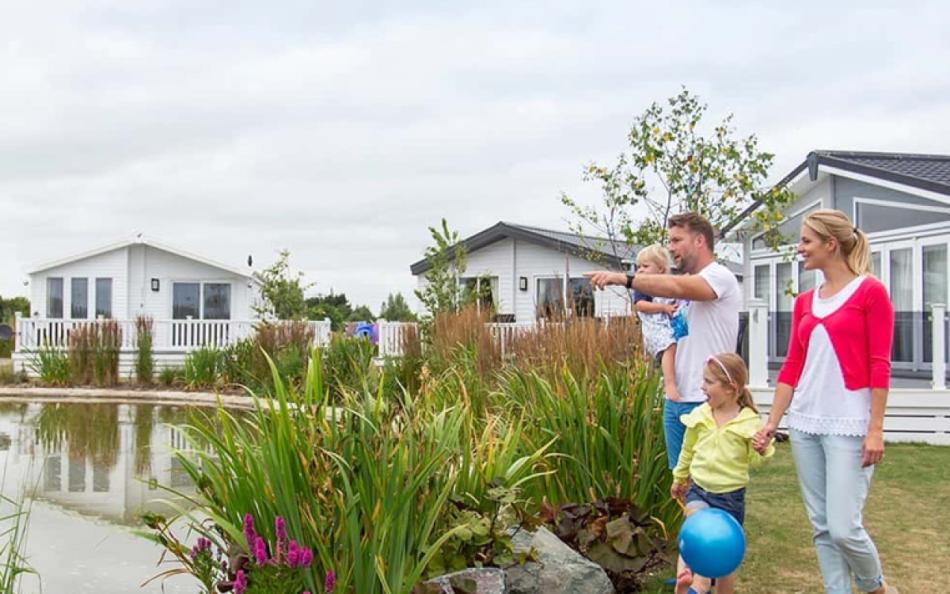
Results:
[834, 385]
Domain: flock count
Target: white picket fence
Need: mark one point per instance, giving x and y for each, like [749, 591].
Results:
[168, 336]
[392, 335]
[913, 414]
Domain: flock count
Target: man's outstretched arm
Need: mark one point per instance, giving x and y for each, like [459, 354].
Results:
[692, 287]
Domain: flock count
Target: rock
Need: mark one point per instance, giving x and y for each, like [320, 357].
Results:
[486, 580]
[559, 569]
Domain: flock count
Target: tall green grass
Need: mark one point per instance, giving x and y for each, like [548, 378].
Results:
[51, 365]
[373, 468]
[144, 358]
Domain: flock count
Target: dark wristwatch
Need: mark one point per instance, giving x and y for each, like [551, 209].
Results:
[629, 283]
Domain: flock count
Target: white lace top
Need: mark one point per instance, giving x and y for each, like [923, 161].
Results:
[822, 405]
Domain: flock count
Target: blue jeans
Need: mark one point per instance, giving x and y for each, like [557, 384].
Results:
[834, 487]
[731, 502]
[673, 429]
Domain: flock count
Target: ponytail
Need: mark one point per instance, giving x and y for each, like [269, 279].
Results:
[852, 242]
[745, 399]
[859, 258]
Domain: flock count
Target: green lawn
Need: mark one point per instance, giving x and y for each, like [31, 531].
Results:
[907, 515]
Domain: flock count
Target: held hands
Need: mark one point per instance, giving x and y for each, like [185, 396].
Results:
[762, 439]
[602, 278]
[678, 490]
[873, 449]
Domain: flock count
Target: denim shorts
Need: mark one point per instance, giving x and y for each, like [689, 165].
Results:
[732, 502]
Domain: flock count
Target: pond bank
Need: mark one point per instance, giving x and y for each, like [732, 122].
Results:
[123, 395]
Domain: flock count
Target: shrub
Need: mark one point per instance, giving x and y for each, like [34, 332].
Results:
[93, 353]
[420, 467]
[108, 342]
[287, 344]
[144, 360]
[203, 368]
[348, 364]
[51, 365]
[168, 376]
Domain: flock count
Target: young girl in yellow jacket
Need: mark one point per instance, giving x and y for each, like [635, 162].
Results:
[713, 467]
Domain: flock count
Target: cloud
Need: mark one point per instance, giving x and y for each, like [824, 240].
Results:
[342, 130]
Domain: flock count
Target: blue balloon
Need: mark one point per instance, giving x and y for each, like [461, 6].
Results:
[712, 543]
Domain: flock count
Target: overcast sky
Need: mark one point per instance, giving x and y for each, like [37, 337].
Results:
[340, 131]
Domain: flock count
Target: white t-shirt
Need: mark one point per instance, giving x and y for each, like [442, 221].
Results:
[822, 404]
[713, 329]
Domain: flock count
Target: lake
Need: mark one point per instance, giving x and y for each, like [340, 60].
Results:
[90, 470]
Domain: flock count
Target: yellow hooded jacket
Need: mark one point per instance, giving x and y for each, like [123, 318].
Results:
[718, 458]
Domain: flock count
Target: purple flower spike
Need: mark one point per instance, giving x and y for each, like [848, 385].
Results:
[306, 556]
[330, 582]
[240, 582]
[293, 554]
[249, 535]
[260, 551]
[281, 530]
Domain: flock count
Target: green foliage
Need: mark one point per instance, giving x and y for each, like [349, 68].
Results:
[615, 534]
[51, 365]
[94, 353]
[14, 524]
[9, 307]
[361, 314]
[203, 368]
[288, 343]
[609, 435]
[168, 376]
[446, 259]
[348, 365]
[673, 165]
[395, 309]
[396, 478]
[281, 292]
[337, 308]
[144, 359]
[480, 537]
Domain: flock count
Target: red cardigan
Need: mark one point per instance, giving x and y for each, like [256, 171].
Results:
[861, 332]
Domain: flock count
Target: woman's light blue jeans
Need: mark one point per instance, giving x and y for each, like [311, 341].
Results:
[834, 487]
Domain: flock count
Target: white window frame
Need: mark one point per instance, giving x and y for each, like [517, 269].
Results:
[89, 314]
[170, 302]
[534, 298]
[903, 231]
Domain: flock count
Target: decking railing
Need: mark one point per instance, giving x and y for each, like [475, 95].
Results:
[168, 336]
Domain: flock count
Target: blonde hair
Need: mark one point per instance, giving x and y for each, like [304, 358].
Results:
[730, 369]
[657, 254]
[853, 245]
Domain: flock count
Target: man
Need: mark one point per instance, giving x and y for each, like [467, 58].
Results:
[711, 297]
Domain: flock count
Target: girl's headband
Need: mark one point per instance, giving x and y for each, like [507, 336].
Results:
[715, 359]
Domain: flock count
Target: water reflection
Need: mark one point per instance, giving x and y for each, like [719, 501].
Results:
[92, 470]
[105, 460]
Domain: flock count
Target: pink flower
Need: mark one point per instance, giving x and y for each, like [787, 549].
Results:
[249, 535]
[281, 530]
[330, 582]
[260, 551]
[240, 582]
[293, 554]
[306, 556]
